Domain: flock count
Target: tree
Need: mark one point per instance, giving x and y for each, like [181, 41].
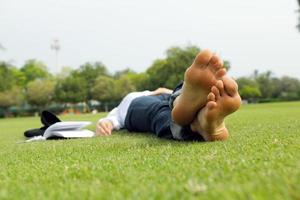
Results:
[268, 88]
[289, 88]
[120, 73]
[110, 91]
[250, 93]
[88, 73]
[10, 76]
[227, 65]
[266, 84]
[123, 86]
[11, 97]
[248, 89]
[168, 72]
[65, 72]
[6, 76]
[285, 88]
[71, 90]
[40, 92]
[34, 69]
[104, 89]
[139, 80]
[18, 77]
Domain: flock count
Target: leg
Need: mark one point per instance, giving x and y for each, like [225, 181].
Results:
[153, 114]
[149, 114]
[116, 118]
[198, 79]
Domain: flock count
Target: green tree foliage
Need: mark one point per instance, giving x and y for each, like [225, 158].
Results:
[71, 90]
[65, 72]
[88, 73]
[248, 89]
[265, 87]
[227, 65]
[250, 93]
[126, 72]
[19, 77]
[40, 92]
[108, 89]
[10, 76]
[265, 82]
[6, 76]
[290, 88]
[284, 88]
[168, 72]
[123, 86]
[138, 81]
[104, 89]
[92, 81]
[11, 97]
[33, 70]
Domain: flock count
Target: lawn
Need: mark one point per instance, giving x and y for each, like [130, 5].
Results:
[261, 160]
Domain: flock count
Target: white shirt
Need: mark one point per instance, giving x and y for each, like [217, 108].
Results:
[118, 114]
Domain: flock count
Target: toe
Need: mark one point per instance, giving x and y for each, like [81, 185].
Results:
[211, 97]
[220, 64]
[220, 73]
[211, 104]
[220, 87]
[204, 57]
[216, 92]
[215, 63]
[230, 86]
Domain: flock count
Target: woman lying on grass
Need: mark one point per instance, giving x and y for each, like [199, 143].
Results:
[195, 110]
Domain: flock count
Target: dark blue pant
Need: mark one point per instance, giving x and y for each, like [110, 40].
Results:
[153, 114]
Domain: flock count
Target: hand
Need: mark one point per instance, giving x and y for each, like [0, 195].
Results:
[104, 127]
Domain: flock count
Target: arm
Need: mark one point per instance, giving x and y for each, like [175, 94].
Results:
[159, 91]
[113, 121]
[107, 124]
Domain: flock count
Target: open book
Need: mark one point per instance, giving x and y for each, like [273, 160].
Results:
[71, 129]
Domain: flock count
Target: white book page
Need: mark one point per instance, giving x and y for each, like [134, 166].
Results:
[74, 134]
[65, 126]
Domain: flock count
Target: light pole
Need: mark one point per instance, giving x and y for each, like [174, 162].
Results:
[56, 47]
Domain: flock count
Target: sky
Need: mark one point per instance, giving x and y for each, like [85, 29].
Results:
[252, 34]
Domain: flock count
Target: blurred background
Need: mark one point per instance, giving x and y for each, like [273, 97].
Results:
[83, 56]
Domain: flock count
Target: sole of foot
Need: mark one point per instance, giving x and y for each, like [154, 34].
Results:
[223, 100]
[206, 69]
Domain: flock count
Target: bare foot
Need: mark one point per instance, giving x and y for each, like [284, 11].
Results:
[223, 100]
[198, 80]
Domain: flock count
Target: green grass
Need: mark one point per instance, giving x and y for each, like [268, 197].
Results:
[261, 160]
